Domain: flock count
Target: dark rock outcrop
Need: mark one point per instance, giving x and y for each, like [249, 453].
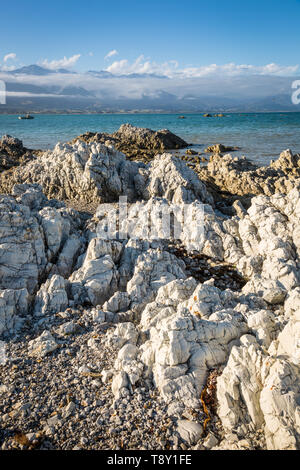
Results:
[12, 152]
[137, 143]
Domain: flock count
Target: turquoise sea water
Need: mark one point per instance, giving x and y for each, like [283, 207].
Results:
[261, 136]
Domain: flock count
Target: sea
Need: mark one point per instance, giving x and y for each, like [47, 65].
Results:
[260, 136]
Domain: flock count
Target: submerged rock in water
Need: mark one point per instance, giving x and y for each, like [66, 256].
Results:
[219, 148]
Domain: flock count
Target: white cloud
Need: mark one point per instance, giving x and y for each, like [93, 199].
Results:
[111, 54]
[233, 69]
[24, 94]
[142, 65]
[171, 69]
[10, 56]
[61, 63]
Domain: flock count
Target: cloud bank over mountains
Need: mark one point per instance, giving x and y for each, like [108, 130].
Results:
[144, 84]
[171, 69]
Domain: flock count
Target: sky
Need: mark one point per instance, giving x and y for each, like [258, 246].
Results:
[159, 50]
[163, 37]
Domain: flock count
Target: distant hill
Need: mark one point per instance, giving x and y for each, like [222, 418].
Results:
[36, 70]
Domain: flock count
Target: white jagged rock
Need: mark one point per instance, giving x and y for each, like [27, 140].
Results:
[270, 290]
[33, 233]
[95, 281]
[13, 303]
[259, 389]
[240, 383]
[267, 235]
[107, 375]
[289, 340]
[170, 178]
[120, 385]
[167, 299]
[126, 361]
[292, 302]
[119, 302]
[68, 328]
[263, 324]
[186, 328]
[190, 329]
[195, 224]
[182, 347]
[97, 278]
[279, 401]
[56, 229]
[96, 172]
[68, 256]
[98, 315]
[89, 172]
[52, 297]
[22, 249]
[124, 333]
[153, 269]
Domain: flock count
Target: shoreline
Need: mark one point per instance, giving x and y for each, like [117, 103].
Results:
[47, 113]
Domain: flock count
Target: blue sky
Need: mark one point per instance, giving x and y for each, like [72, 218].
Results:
[193, 33]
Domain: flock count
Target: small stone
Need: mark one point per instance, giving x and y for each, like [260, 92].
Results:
[210, 441]
[42, 345]
[189, 431]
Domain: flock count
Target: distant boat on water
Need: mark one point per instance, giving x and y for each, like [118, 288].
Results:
[27, 116]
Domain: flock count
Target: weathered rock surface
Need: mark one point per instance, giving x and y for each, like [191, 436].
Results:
[188, 330]
[12, 304]
[52, 297]
[30, 240]
[98, 173]
[260, 389]
[239, 176]
[34, 234]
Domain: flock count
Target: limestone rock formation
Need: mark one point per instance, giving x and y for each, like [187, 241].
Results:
[98, 173]
[13, 305]
[239, 176]
[34, 233]
[51, 297]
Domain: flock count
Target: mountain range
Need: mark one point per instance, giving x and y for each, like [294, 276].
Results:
[35, 88]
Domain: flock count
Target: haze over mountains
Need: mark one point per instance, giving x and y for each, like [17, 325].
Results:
[40, 89]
